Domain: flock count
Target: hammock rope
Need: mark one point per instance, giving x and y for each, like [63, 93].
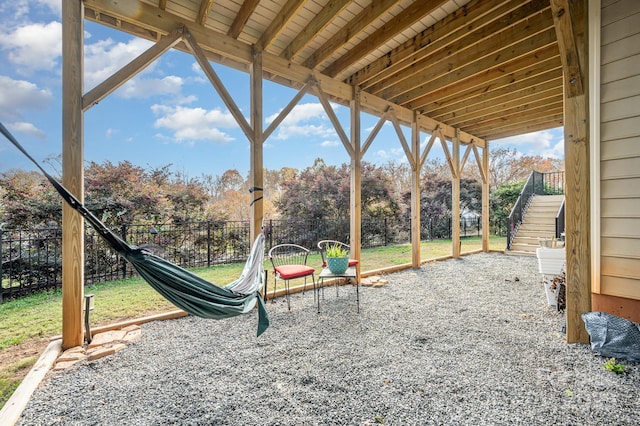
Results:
[184, 289]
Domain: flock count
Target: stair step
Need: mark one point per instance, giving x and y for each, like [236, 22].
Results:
[519, 253]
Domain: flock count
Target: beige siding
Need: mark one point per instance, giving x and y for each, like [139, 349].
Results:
[620, 149]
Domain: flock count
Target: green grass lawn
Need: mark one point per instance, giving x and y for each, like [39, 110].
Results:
[39, 317]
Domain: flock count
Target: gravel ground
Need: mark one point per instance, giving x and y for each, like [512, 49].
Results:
[459, 342]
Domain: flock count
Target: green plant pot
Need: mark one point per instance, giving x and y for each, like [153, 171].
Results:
[338, 265]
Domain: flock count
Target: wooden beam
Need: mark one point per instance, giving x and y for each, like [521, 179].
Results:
[218, 85]
[522, 128]
[72, 173]
[355, 187]
[534, 93]
[470, 46]
[256, 164]
[403, 20]
[463, 162]
[486, 185]
[451, 161]
[438, 77]
[468, 18]
[416, 170]
[517, 75]
[287, 109]
[455, 198]
[545, 107]
[450, 85]
[203, 12]
[127, 72]
[366, 16]
[403, 141]
[425, 153]
[224, 49]
[571, 22]
[372, 135]
[286, 14]
[243, 15]
[334, 120]
[317, 24]
[567, 44]
[520, 120]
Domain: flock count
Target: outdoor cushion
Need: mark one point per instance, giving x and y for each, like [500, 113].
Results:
[288, 272]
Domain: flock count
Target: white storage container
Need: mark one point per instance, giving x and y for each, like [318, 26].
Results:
[550, 260]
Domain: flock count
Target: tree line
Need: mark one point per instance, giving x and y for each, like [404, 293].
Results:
[124, 193]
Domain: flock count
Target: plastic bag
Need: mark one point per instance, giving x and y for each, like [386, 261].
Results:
[612, 336]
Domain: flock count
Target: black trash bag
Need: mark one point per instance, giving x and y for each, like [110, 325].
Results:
[612, 336]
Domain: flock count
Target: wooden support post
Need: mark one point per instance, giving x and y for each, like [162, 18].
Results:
[356, 182]
[415, 193]
[486, 231]
[455, 196]
[256, 173]
[72, 172]
[570, 22]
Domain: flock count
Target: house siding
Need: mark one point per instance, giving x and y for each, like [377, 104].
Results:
[620, 157]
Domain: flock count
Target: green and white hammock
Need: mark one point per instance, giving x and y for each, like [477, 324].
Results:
[184, 289]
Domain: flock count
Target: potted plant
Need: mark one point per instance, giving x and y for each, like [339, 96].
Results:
[337, 259]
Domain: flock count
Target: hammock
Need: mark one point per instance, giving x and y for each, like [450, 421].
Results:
[184, 289]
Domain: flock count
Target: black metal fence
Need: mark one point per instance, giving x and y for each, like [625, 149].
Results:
[31, 260]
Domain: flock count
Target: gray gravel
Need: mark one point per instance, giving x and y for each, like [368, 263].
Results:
[459, 342]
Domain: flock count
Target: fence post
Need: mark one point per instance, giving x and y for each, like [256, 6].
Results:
[123, 232]
[208, 243]
[385, 232]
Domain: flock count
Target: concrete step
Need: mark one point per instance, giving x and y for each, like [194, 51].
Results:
[519, 253]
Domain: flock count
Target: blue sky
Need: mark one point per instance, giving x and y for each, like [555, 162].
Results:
[169, 113]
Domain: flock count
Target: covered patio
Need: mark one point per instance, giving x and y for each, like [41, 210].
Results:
[459, 73]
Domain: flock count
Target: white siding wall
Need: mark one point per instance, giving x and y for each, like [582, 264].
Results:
[620, 148]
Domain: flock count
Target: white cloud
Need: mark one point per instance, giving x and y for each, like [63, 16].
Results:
[54, 5]
[383, 154]
[546, 143]
[34, 47]
[105, 57]
[331, 143]
[147, 87]
[27, 129]
[20, 95]
[195, 124]
[304, 120]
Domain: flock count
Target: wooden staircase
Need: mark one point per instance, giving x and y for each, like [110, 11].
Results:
[538, 222]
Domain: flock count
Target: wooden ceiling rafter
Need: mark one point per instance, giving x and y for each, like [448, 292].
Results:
[412, 14]
[517, 92]
[314, 27]
[203, 12]
[475, 46]
[365, 18]
[440, 77]
[283, 18]
[245, 12]
[401, 56]
[452, 34]
[456, 63]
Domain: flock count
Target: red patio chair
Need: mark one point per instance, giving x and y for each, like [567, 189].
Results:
[290, 262]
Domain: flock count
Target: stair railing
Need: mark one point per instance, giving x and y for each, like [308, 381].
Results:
[551, 183]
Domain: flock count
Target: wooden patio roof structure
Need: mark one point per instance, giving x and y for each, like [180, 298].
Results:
[464, 72]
